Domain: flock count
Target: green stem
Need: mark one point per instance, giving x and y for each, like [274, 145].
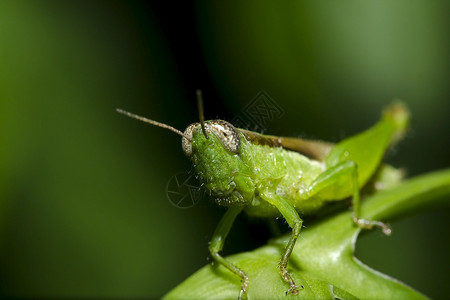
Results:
[322, 260]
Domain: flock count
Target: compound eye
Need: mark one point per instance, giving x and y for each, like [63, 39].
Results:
[226, 133]
[185, 143]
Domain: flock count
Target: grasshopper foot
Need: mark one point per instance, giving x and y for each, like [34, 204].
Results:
[244, 287]
[367, 224]
[293, 289]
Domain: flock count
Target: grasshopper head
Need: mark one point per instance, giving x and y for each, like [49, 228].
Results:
[216, 148]
[216, 154]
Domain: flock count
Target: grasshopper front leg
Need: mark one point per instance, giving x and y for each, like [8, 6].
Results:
[216, 245]
[294, 221]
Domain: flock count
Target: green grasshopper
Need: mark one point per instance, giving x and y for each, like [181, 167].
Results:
[267, 175]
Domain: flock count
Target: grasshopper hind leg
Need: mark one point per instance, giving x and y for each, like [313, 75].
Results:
[344, 174]
[368, 224]
[356, 201]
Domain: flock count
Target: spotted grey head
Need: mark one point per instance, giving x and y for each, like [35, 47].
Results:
[224, 131]
[214, 148]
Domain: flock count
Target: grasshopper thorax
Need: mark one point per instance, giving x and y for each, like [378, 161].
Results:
[224, 131]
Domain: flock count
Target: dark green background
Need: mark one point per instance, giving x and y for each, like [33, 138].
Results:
[83, 209]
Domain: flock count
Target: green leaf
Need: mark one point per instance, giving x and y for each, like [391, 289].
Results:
[322, 260]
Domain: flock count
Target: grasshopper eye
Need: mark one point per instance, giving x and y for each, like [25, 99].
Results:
[185, 143]
[226, 133]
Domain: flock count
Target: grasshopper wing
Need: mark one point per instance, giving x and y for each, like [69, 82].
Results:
[317, 150]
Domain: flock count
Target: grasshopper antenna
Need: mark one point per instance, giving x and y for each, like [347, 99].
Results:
[155, 123]
[201, 116]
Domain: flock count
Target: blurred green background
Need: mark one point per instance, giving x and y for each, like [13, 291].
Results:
[83, 207]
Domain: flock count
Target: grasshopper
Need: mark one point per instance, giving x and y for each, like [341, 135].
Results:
[268, 175]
